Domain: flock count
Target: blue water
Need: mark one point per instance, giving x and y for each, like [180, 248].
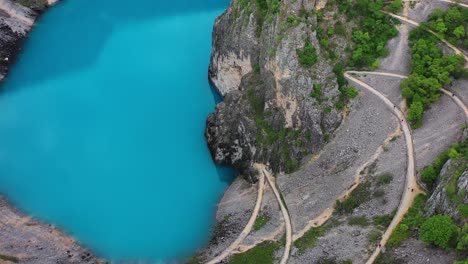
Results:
[101, 126]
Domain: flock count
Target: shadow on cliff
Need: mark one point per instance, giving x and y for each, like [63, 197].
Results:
[77, 34]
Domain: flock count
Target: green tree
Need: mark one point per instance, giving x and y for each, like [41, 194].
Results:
[429, 175]
[415, 114]
[459, 32]
[438, 230]
[307, 55]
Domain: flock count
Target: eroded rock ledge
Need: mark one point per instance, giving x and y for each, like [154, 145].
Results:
[268, 114]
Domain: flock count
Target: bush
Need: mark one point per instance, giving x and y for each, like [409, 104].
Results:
[351, 92]
[395, 6]
[429, 175]
[384, 220]
[438, 230]
[307, 55]
[400, 234]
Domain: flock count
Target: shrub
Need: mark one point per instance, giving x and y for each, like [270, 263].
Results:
[384, 220]
[429, 175]
[395, 6]
[384, 179]
[307, 55]
[438, 230]
[359, 195]
[351, 92]
[400, 234]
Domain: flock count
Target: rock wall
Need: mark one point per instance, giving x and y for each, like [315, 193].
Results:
[268, 114]
[439, 202]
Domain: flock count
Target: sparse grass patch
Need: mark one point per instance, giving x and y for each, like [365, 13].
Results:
[384, 179]
[384, 220]
[9, 258]
[359, 221]
[309, 239]
[374, 237]
[359, 196]
[263, 253]
[261, 221]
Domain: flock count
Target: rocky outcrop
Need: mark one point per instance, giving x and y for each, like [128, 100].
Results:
[268, 114]
[440, 202]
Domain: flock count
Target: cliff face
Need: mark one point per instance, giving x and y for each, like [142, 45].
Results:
[451, 191]
[269, 113]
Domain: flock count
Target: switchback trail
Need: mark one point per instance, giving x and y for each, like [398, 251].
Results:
[250, 223]
[411, 186]
[414, 23]
[287, 219]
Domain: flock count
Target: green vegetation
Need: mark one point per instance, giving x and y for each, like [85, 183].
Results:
[411, 222]
[359, 221]
[395, 6]
[327, 260]
[438, 230]
[461, 262]
[384, 220]
[309, 239]
[261, 221]
[33, 3]
[357, 197]
[317, 93]
[373, 31]
[263, 253]
[430, 173]
[268, 136]
[462, 244]
[9, 258]
[266, 10]
[450, 24]
[384, 179]
[430, 70]
[374, 237]
[307, 55]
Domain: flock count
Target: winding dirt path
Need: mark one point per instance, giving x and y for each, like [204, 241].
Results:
[411, 186]
[287, 218]
[452, 95]
[457, 100]
[455, 3]
[250, 223]
[416, 24]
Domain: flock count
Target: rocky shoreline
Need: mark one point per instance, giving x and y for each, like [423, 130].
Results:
[26, 240]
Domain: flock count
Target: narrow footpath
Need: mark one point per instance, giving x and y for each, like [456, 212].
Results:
[261, 187]
[416, 24]
[411, 187]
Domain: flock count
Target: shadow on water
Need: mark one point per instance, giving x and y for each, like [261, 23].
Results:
[77, 43]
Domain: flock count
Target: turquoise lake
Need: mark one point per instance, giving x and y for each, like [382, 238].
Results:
[102, 121]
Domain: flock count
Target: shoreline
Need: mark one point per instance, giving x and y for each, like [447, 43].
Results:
[31, 239]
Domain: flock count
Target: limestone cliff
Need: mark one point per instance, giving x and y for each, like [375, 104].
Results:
[451, 191]
[276, 110]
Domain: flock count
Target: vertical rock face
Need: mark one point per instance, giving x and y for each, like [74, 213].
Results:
[440, 201]
[268, 114]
